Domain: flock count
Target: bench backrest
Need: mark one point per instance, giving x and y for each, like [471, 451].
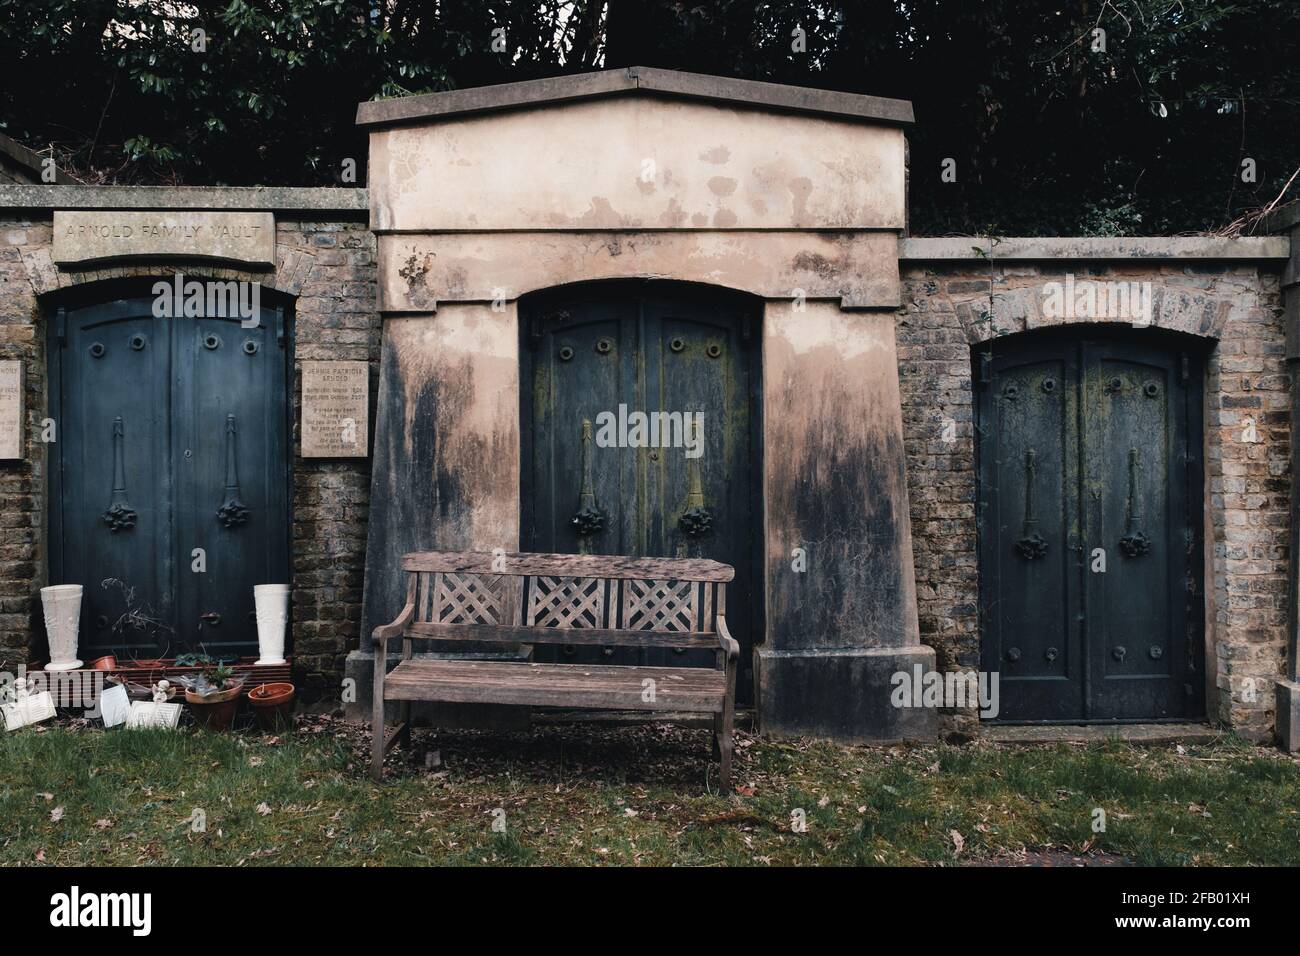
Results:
[566, 598]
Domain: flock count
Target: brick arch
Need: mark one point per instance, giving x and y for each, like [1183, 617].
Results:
[287, 278]
[1008, 311]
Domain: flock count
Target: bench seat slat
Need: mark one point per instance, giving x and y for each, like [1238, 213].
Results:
[568, 565]
[562, 635]
[695, 689]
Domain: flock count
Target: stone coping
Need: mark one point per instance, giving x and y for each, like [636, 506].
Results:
[974, 248]
[634, 79]
[281, 199]
[30, 160]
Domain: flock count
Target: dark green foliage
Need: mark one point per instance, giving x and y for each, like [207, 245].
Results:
[1048, 135]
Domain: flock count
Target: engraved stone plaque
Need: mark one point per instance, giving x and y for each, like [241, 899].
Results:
[11, 410]
[335, 409]
[96, 235]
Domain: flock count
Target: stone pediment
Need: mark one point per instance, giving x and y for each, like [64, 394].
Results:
[636, 149]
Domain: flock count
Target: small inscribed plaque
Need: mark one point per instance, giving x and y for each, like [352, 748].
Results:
[11, 409]
[335, 409]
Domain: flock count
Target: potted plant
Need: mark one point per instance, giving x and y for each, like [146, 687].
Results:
[273, 705]
[213, 696]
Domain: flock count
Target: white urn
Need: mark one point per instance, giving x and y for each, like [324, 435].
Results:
[62, 606]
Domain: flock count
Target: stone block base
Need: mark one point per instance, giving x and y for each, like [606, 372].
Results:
[1287, 720]
[360, 667]
[843, 694]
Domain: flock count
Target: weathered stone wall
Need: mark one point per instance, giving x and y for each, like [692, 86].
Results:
[949, 306]
[327, 265]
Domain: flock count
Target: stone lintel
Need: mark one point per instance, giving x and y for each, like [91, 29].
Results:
[417, 272]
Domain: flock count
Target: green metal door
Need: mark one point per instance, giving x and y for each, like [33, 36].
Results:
[686, 483]
[1091, 595]
[169, 473]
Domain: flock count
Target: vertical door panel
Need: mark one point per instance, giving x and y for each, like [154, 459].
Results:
[231, 438]
[1134, 453]
[700, 364]
[114, 377]
[1029, 534]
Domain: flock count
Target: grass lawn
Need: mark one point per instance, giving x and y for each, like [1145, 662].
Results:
[598, 794]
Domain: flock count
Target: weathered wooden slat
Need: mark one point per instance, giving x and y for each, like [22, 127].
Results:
[611, 675]
[558, 685]
[569, 565]
[508, 634]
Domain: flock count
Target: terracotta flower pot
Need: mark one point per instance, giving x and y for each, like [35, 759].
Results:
[216, 711]
[106, 663]
[273, 704]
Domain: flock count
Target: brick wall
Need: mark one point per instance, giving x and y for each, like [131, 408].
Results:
[947, 308]
[22, 483]
[329, 269]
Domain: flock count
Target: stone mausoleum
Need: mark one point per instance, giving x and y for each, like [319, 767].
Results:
[1061, 462]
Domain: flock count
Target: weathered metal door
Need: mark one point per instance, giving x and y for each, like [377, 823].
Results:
[1089, 456]
[599, 356]
[169, 473]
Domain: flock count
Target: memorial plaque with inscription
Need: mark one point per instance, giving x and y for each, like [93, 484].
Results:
[335, 409]
[97, 235]
[11, 410]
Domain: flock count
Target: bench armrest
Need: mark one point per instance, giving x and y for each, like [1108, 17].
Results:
[726, 641]
[386, 631]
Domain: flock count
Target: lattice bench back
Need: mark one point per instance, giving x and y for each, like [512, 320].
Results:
[566, 598]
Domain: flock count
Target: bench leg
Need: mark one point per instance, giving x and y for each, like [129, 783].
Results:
[717, 734]
[377, 720]
[725, 743]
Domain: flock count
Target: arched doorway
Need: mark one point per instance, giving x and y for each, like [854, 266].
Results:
[1090, 498]
[170, 472]
[640, 435]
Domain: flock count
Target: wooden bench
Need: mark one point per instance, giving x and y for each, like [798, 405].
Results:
[571, 599]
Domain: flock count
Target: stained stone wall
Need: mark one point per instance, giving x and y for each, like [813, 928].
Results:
[325, 262]
[954, 301]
